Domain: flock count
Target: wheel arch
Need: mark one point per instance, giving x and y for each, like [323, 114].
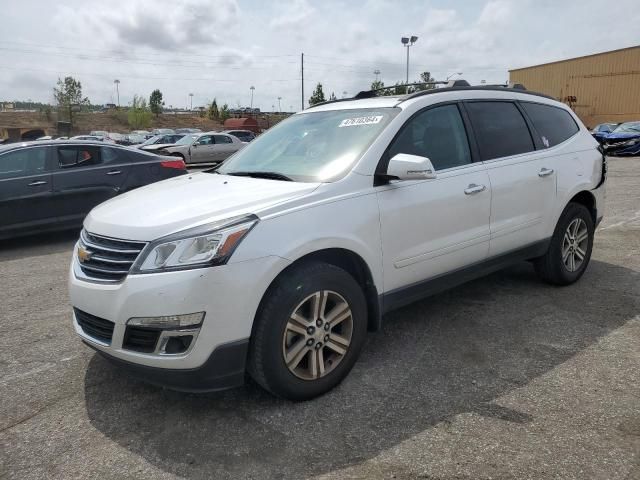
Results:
[353, 264]
[587, 199]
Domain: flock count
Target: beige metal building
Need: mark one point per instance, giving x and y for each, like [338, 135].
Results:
[604, 87]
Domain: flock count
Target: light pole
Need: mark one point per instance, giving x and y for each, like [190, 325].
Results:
[344, 94]
[408, 42]
[117, 82]
[453, 75]
[279, 107]
[252, 88]
[191, 104]
[376, 72]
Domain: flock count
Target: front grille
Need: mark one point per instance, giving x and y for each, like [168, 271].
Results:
[107, 259]
[140, 339]
[93, 326]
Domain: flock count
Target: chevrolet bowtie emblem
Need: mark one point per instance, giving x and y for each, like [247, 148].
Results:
[84, 255]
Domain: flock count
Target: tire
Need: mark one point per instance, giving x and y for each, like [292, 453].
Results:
[275, 347]
[552, 267]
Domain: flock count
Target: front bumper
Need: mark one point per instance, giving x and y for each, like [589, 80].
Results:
[228, 294]
[225, 368]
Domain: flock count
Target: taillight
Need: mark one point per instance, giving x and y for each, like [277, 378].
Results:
[179, 164]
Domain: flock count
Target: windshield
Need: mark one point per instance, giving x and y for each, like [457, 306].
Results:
[152, 140]
[631, 127]
[314, 146]
[186, 140]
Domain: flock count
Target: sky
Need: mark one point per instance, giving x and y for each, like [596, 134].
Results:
[220, 48]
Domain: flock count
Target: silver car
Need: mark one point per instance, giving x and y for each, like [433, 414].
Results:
[209, 147]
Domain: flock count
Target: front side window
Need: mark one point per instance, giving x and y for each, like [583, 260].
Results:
[553, 124]
[27, 161]
[205, 140]
[81, 156]
[316, 146]
[438, 134]
[500, 129]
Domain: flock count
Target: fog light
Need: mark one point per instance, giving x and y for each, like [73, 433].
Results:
[189, 320]
[178, 344]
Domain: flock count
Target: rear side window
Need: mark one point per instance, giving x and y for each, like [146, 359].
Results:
[553, 124]
[500, 129]
[78, 156]
[115, 155]
[27, 161]
[438, 134]
[222, 139]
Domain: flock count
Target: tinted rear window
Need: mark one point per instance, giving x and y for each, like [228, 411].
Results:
[500, 129]
[553, 124]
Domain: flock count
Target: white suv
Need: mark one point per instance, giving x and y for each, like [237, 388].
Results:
[279, 262]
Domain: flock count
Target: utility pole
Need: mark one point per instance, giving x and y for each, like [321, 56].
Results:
[302, 75]
[117, 82]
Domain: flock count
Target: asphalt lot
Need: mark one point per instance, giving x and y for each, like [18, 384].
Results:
[504, 377]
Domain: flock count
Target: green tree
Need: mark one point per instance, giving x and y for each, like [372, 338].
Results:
[68, 96]
[425, 77]
[155, 102]
[377, 85]
[224, 113]
[139, 115]
[317, 96]
[213, 113]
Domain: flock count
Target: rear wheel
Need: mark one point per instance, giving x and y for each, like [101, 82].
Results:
[309, 332]
[570, 248]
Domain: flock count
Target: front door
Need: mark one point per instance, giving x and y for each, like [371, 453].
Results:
[202, 151]
[25, 190]
[431, 227]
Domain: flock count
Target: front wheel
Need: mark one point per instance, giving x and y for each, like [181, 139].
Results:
[309, 331]
[570, 248]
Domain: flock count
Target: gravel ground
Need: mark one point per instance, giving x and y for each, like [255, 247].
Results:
[504, 377]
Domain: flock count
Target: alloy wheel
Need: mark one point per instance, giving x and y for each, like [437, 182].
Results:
[574, 244]
[317, 335]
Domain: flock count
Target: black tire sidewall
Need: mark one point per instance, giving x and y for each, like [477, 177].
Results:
[572, 212]
[290, 291]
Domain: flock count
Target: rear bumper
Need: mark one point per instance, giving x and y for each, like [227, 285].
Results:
[225, 368]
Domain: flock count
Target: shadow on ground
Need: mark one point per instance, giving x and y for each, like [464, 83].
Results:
[36, 245]
[449, 354]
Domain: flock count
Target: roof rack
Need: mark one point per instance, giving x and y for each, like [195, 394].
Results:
[458, 84]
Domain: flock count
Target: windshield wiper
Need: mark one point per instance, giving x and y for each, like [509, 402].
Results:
[257, 174]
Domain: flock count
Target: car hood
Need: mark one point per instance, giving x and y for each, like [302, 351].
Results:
[157, 146]
[187, 201]
[622, 136]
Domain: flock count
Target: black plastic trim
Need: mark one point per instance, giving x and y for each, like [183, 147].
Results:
[225, 368]
[406, 295]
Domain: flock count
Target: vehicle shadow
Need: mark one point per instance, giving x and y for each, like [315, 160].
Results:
[450, 354]
[40, 244]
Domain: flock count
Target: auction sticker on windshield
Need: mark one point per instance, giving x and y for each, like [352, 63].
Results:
[352, 122]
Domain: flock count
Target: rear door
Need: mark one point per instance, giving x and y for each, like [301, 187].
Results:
[84, 177]
[25, 190]
[224, 147]
[523, 182]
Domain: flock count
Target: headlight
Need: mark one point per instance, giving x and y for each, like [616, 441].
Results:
[198, 247]
[633, 142]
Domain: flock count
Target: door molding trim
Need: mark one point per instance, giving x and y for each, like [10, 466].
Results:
[405, 295]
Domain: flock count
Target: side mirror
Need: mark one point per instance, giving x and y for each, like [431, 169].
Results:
[404, 166]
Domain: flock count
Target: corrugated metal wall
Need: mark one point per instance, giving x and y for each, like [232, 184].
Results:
[606, 85]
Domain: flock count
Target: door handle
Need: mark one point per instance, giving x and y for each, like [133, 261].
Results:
[39, 182]
[545, 172]
[473, 188]
[114, 172]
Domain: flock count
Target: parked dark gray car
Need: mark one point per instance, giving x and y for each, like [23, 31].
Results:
[52, 185]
